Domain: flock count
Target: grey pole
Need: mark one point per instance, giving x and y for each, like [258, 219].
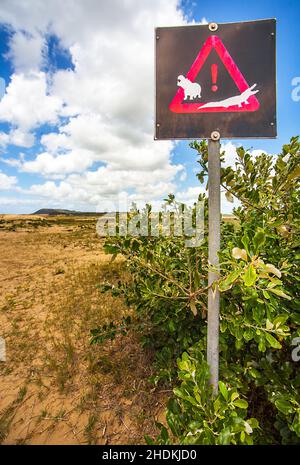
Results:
[214, 234]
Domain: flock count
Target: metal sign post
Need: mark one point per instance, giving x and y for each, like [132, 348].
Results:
[214, 235]
[215, 79]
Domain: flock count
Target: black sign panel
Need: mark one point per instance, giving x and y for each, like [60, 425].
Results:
[216, 77]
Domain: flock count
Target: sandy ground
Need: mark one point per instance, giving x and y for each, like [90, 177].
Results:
[55, 388]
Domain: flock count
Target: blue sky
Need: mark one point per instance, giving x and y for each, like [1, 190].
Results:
[76, 119]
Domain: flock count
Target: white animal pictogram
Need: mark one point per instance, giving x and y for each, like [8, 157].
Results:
[231, 101]
[192, 90]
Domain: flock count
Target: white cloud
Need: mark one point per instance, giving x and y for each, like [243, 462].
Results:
[12, 201]
[26, 51]
[104, 185]
[257, 152]
[108, 96]
[21, 139]
[4, 139]
[78, 20]
[190, 195]
[86, 139]
[17, 137]
[26, 103]
[7, 182]
[230, 160]
[108, 99]
[203, 21]
[49, 165]
[231, 155]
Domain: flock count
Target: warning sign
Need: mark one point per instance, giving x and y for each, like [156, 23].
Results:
[189, 90]
[221, 79]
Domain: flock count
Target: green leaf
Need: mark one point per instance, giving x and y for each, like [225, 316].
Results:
[164, 434]
[253, 422]
[262, 345]
[111, 249]
[241, 403]
[229, 280]
[149, 440]
[224, 437]
[172, 421]
[217, 405]
[280, 320]
[234, 396]
[223, 390]
[179, 393]
[258, 314]
[250, 276]
[258, 240]
[245, 242]
[294, 174]
[254, 373]
[248, 334]
[284, 406]
[280, 293]
[272, 341]
[172, 327]
[266, 295]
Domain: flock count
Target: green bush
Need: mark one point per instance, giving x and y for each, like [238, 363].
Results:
[167, 288]
[197, 417]
[259, 399]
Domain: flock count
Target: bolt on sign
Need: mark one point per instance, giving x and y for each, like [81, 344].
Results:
[216, 77]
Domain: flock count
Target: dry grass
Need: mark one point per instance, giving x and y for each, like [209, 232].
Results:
[55, 388]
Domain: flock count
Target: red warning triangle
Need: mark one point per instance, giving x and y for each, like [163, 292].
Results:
[246, 101]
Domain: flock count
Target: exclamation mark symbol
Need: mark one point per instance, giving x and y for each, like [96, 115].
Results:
[214, 77]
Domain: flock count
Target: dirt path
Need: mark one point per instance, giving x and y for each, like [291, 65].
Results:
[55, 388]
